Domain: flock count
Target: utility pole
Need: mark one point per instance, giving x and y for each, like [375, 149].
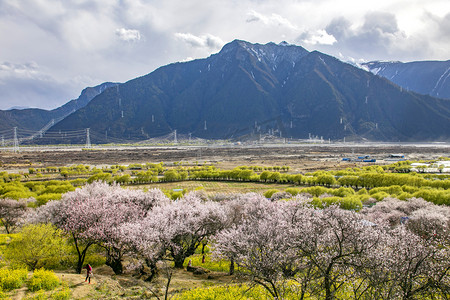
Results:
[88, 139]
[3, 141]
[175, 136]
[16, 141]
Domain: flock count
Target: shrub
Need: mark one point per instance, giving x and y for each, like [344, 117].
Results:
[292, 191]
[280, 195]
[362, 191]
[12, 279]
[100, 176]
[122, 179]
[36, 246]
[351, 203]
[224, 293]
[43, 199]
[268, 194]
[40, 295]
[63, 294]
[78, 182]
[343, 192]
[380, 196]
[213, 265]
[176, 195]
[171, 175]
[316, 191]
[95, 260]
[43, 280]
[404, 196]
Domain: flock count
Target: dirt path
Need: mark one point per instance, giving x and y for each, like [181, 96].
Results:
[80, 289]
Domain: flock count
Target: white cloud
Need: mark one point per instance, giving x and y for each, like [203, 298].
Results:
[317, 37]
[379, 34]
[204, 41]
[128, 35]
[271, 20]
[21, 70]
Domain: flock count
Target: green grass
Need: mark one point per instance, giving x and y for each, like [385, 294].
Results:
[212, 265]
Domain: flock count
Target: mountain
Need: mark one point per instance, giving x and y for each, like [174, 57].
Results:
[34, 119]
[424, 77]
[252, 89]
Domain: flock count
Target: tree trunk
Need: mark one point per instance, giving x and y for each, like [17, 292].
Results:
[153, 269]
[327, 286]
[6, 228]
[114, 260]
[81, 254]
[115, 264]
[231, 272]
[327, 283]
[169, 278]
[179, 260]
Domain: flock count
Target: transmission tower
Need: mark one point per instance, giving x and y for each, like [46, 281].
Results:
[16, 141]
[88, 139]
[175, 136]
[3, 141]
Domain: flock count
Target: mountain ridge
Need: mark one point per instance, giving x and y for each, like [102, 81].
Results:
[33, 119]
[253, 89]
[425, 77]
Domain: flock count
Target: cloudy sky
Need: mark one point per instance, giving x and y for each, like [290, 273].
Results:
[51, 49]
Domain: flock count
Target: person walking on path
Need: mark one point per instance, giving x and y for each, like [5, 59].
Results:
[88, 273]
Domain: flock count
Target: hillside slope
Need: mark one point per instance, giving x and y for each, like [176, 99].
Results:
[424, 77]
